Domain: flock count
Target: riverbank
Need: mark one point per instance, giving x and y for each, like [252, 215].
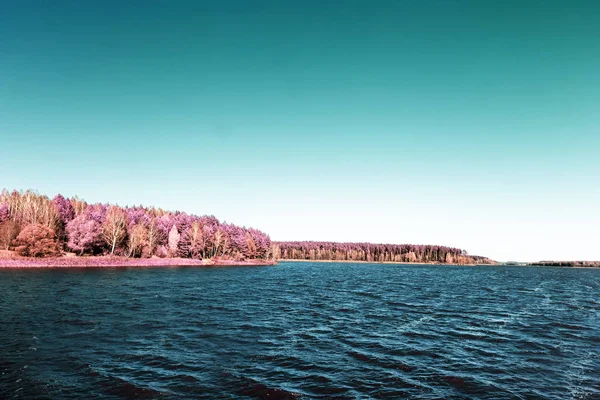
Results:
[565, 264]
[570, 264]
[119, 262]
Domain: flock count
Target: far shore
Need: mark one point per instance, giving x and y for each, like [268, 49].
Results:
[372, 262]
[556, 265]
[120, 262]
[10, 260]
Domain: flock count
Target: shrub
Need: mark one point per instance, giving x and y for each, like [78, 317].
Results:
[36, 240]
[9, 230]
[162, 251]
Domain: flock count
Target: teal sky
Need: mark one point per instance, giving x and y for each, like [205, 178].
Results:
[467, 123]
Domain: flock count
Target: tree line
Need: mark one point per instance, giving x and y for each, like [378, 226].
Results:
[590, 264]
[370, 252]
[36, 226]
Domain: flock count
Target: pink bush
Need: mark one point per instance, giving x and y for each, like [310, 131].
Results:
[36, 241]
[162, 251]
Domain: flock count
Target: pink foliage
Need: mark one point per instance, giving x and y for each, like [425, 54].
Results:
[64, 208]
[87, 229]
[237, 238]
[85, 233]
[164, 223]
[136, 215]
[36, 240]
[162, 251]
[4, 212]
[174, 238]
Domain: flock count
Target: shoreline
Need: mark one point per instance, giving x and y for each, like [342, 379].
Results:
[375, 262]
[123, 262]
[155, 262]
[437, 263]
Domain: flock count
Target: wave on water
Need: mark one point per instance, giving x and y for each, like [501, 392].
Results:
[301, 330]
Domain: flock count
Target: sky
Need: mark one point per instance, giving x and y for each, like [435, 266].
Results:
[461, 123]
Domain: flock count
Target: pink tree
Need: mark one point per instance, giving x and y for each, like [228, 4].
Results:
[4, 212]
[64, 208]
[174, 237]
[66, 213]
[136, 215]
[237, 241]
[164, 223]
[191, 243]
[261, 241]
[208, 232]
[85, 233]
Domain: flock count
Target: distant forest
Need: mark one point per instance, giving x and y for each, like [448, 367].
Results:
[594, 264]
[34, 225]
[370, 252]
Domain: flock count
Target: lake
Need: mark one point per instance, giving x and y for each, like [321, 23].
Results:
[301, 330]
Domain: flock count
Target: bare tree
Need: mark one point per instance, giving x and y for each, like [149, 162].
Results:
[174, 237]
[114, 228]
[155, 235]
[30, 208]
[138, 240]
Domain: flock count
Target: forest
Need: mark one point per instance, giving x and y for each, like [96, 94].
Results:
[370, 252]
[579, 264]
[34, 225]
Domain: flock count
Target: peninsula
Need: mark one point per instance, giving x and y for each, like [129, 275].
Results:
[36, 231]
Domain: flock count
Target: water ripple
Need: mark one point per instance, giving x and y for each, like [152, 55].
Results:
[301, 330]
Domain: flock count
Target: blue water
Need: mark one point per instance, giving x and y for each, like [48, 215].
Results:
[301, 330]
